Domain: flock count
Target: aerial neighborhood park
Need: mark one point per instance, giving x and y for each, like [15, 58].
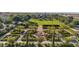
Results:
[39, 29]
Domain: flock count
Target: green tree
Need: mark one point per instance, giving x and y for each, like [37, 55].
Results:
[9, 19]
[1, 20]
[11, 41]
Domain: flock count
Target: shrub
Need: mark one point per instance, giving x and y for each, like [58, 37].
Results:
[1, 45]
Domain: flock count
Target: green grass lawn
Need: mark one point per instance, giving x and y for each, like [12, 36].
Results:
[45, 22]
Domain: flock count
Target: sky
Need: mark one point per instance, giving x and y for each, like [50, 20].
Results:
[39, 5]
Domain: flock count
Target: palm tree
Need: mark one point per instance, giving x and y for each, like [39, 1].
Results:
[53, 38]
[54, 34]
[27, 39]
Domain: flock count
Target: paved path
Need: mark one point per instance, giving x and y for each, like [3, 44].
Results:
[6, 34]
[4, 26]
[22, 35]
